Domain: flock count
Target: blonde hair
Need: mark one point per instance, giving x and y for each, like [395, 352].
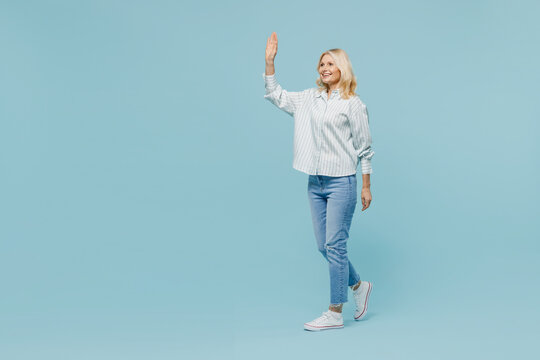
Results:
[347, 82]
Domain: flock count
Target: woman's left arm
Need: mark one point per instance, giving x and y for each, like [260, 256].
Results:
[361, 138]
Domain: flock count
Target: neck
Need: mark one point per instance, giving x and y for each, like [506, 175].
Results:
[333, 87]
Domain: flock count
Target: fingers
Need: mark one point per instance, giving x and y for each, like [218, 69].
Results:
[273, 38]
[271, 46]
[365, 202]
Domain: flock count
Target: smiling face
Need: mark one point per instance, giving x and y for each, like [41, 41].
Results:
[329, 72]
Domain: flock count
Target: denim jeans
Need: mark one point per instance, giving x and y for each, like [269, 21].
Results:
[333, 201]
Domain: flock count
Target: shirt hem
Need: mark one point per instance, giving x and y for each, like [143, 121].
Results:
[323, 173]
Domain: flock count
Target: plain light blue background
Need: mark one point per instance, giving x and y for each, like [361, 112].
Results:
[149, 209]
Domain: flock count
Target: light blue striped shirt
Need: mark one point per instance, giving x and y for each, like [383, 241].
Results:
[331, 135]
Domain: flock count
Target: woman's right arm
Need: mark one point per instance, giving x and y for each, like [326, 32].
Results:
[287, 101]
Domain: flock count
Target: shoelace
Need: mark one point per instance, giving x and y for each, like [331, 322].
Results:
[325, 316]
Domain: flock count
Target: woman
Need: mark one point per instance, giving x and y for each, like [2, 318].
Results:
[331, 136]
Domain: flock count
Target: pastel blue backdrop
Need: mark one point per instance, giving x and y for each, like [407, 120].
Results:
[149, 209]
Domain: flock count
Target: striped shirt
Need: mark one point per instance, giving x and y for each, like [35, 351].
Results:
[331, 135]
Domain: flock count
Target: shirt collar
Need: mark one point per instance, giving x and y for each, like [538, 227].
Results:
[336, 91]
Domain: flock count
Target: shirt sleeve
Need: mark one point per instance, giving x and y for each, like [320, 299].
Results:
[287, 101]
[361, 136]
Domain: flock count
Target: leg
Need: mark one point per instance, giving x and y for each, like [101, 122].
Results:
[318, 204]
[341, 204]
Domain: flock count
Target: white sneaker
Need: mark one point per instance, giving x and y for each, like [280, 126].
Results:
[361, 296]
[329, 320]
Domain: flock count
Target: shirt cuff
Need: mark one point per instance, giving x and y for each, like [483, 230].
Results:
[270, 81]
[365, 165]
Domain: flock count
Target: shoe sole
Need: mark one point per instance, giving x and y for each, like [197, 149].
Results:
[314, 328]
[363, 313]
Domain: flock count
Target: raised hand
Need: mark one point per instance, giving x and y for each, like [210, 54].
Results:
[271, 48]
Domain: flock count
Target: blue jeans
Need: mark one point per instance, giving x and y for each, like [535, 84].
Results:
[333, 201]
